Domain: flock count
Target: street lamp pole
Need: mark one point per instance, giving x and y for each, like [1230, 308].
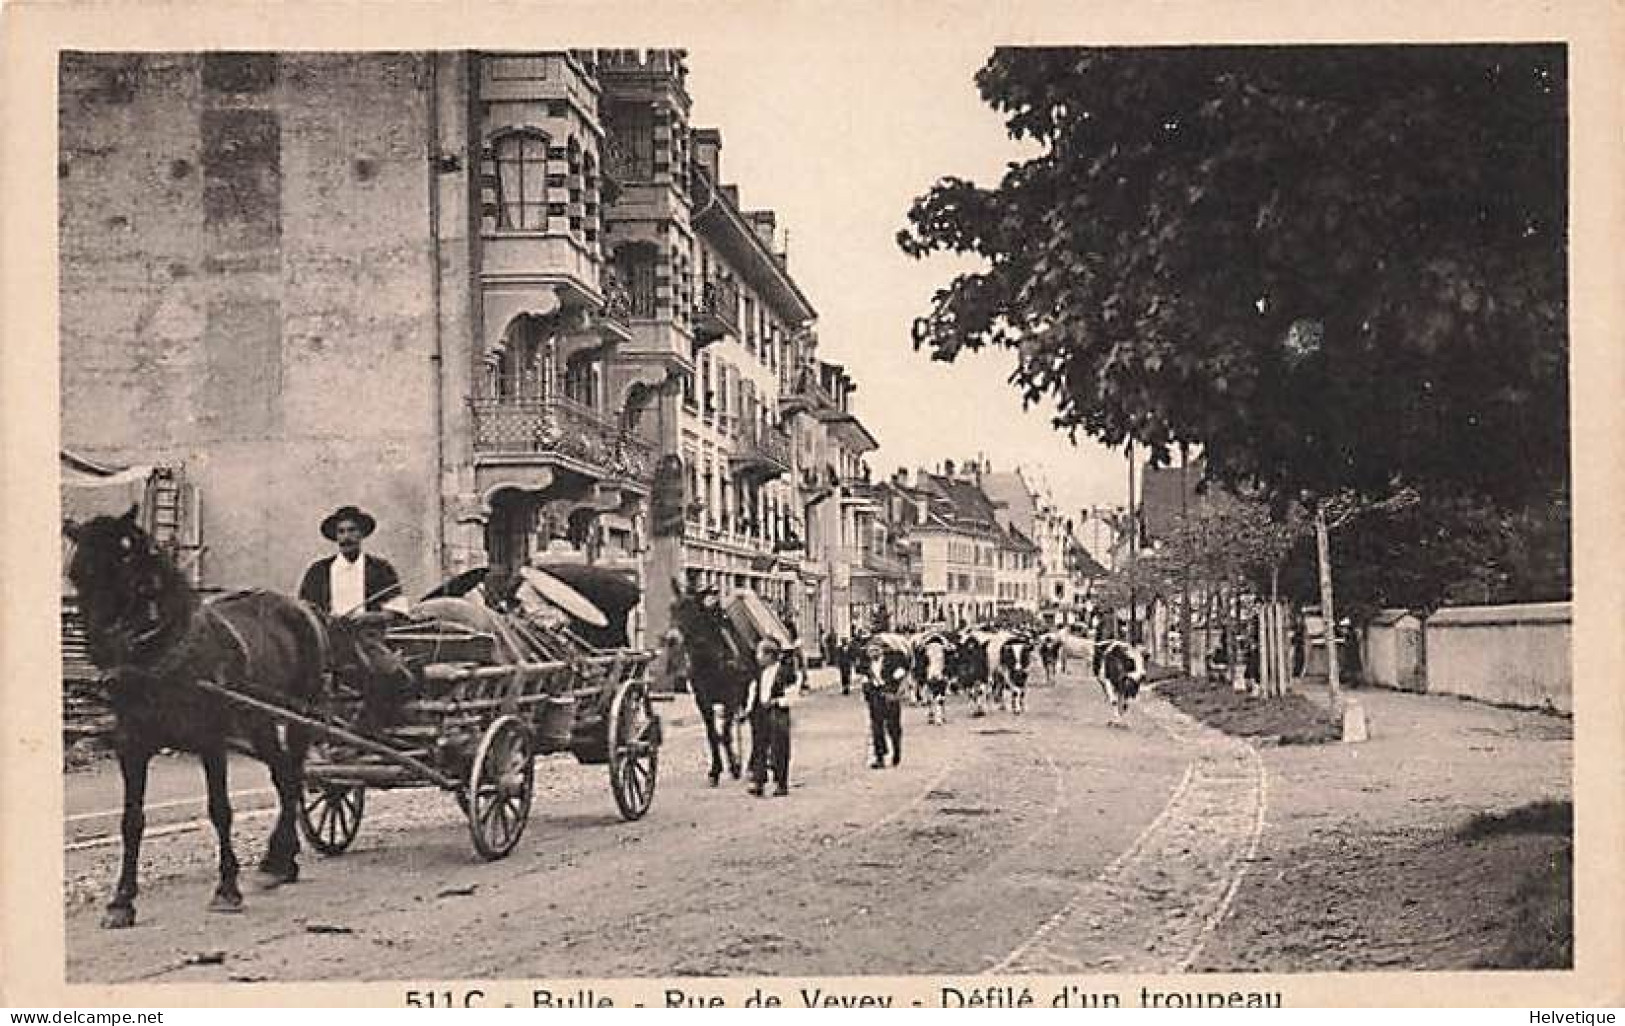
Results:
[1133, 554]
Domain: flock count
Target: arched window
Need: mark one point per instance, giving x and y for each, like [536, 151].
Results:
[521, 160]
[521, 365]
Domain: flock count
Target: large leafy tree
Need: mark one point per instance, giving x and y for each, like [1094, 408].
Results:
[1341, 270]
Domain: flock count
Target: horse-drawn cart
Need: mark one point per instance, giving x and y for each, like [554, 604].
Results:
[488, 693]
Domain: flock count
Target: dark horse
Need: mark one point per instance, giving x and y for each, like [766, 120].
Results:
[720, 671]
[150, 635]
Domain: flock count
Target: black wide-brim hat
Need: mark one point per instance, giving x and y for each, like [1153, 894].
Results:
[330, 526]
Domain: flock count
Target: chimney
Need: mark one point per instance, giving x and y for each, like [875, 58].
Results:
[948, 468]
[706, 145]
[766, 224]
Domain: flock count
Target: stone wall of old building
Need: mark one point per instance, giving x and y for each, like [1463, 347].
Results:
[246, 287]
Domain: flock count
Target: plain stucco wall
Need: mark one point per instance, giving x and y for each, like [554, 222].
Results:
[246, 289]
[1393, 650]
[1511, 655]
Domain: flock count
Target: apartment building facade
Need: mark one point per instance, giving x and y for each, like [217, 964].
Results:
[502, 300]
[375, 278]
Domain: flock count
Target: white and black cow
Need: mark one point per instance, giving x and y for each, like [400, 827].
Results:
[931, 655]
[1120, 671]
[1015, 664]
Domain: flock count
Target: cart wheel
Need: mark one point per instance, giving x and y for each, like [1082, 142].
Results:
[634, 749]
[330, 816]
[501, 784]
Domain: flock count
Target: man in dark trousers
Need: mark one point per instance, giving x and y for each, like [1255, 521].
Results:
[843, 656]
[775, 689]
[885, 671]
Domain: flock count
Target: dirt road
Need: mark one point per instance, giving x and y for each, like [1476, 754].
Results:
[1046, 843]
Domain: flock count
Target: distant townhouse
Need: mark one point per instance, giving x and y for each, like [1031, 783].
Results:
[842, 505]
[954, 540]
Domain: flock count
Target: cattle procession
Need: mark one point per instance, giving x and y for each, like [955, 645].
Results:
[1129, 531]
[462, 690]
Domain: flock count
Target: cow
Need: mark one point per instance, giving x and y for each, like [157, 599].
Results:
[1121, 672]
[931, 653]
[972, 670]
[1049, 654]
[992, 643]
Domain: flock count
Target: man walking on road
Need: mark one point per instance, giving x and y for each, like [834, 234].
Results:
[843, 662]
[885, 671]
[774, 690]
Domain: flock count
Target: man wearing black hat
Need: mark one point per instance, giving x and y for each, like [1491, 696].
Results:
[353, 586]
[351, 581]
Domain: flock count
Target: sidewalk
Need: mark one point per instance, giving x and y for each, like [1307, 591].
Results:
[1363, 864]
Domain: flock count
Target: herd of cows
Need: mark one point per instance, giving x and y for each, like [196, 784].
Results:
[991, 667]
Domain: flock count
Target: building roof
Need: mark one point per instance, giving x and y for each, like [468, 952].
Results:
[1080, 562]
[1009, 490]
[1161, 503]
[1019, 541]
[967, 503]
[736, 236]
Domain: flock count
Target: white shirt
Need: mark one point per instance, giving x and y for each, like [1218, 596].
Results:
[764, 687]
[348, 583]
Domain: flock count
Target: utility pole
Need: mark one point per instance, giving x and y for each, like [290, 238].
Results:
[1328, 615]
[1133, 553]
[1185, 599]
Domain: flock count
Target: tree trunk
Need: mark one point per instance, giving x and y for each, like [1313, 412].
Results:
[1271, 651]
[1328, 614]
[1133, 555]
[1238, 664]
[1185, 599]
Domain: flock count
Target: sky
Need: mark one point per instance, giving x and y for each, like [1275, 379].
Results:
[839, 140]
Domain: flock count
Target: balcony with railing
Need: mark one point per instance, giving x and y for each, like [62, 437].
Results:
[762, 454]
[625, 162]
[716, 312]
[874, 562]
[859, 492]
[618, 302]
[883, 564]
[559, 430]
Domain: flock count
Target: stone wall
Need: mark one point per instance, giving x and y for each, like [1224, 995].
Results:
[246, 288]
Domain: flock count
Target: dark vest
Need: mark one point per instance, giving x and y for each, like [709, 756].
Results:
[378, 579]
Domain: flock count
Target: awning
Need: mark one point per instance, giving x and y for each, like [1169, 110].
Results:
[92, 489]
